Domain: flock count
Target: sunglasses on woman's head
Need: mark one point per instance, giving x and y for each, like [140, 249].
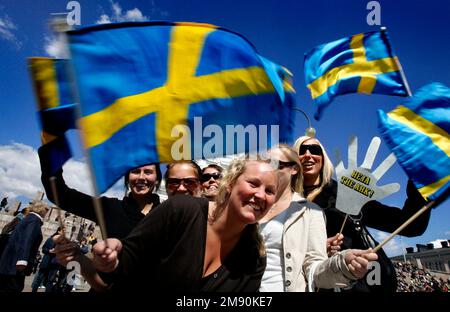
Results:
[314, 149]
[189, 183]
[207, 176]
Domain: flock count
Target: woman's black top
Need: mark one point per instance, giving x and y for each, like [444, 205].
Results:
[121, 216]
[166, 251]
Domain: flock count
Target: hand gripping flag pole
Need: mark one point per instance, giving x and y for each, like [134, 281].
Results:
[357, 185]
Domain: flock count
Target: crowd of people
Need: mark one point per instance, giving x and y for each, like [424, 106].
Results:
[45, 271]
[412, 279]
[51, 275]
[262, 224]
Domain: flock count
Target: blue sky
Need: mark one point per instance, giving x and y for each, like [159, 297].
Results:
[282, 31]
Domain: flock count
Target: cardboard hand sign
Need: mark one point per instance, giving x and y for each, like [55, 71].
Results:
[357, 185]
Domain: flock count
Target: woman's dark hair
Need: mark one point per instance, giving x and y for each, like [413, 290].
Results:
[158, 177]
[217, 167]
[195, 166]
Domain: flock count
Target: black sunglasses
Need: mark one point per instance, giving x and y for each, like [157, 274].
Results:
[207, 176]
[285, 164]
[314, 149]
[189, 183]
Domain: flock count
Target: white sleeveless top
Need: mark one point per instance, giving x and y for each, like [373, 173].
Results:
[272, 232]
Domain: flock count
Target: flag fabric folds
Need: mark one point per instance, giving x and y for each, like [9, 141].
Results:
[363, 63]
[418, 134]
[56, 106]
[147, 87]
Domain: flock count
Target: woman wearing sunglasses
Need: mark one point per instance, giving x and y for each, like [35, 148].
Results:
[295, 238]
[320, 188]
[210, 179]
[183, 177]
[190, 244]
[121, 215]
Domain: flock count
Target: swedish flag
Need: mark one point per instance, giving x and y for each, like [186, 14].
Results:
[418, 134]
[363, 63]
[56, 106]
[142, 85]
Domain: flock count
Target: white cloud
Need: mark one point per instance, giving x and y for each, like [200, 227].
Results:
[20, 174]
[19, 171]
[104, 19]
[55, 46]
[437, 242]
[76, 173]
[7, 31]
[134, 15]
[393, 247]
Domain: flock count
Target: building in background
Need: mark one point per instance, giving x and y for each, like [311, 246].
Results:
[429, 257]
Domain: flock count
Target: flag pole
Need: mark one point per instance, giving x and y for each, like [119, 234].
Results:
[58, 209]
[397, 62]
[60, 26]
[405, 224]
[343, 224]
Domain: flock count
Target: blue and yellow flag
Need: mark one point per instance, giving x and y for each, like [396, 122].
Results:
[418, 134]
[363, 63]
[159, 91]
[56, 106]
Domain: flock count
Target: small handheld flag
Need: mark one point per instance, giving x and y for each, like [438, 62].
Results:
[143, 85]
[418, 134]
[56, 106]
[363, 63]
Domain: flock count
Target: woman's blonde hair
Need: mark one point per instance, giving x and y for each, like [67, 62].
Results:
[326, 172]
[297, 179]
[232, 173]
